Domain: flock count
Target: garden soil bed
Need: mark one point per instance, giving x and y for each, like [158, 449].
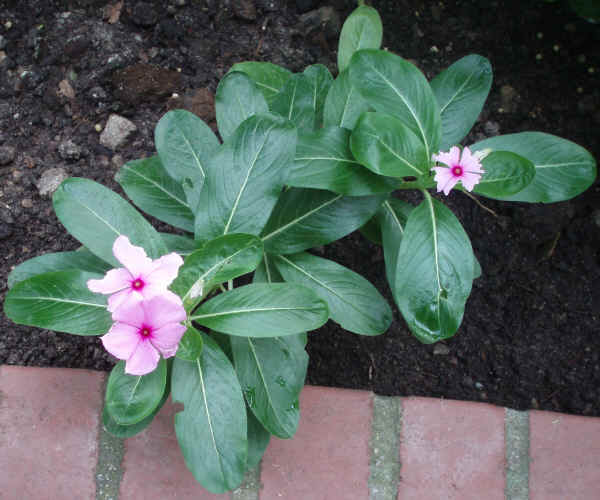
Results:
[530, 337]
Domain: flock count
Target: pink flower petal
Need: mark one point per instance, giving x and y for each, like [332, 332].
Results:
[113, 281]
[121, 340]
[116, 300]
[469, 161]
[133, 258]
[131, 311]
[442, 174]
[166, 339]
[469, 180]
[165, 270]
[143, 360]
[450, 158]
[163, 309]
[449, 185]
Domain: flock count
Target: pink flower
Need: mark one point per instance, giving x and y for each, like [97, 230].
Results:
[466, 169]
[143, 330]
[141, 277]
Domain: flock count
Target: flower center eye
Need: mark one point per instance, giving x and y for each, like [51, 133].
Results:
[137, 284]
[145, 331]
[457, 170]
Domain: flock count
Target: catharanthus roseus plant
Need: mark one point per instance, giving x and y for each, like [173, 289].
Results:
[303, 159]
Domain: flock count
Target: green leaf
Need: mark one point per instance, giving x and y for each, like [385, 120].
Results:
[96, 216]
[391, 219]
[588, 9]
[183, 245]
[461, 91]
[386, 146]
[434, 272]
[190, 345]
[258, 440]
[267, 272]
[148, 185]
[563, 169]
[126, 431]
[245, 177]
[296, 102]
[131, 398]
[506, 173]
[305, 218]
[184, 144]
[263, 310]
[81, 259]
[212, 428]
[269, 77]
[362, 30]
[324, 161]
[219, 260]
[392, 85]
[272, 372]
[321, 80]
[353, 302]
[343, 104]
[59, 301]
[237, 98]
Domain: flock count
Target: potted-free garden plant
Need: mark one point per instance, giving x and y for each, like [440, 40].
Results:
[218, 318]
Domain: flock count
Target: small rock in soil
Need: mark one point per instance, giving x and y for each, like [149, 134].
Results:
[26, 203]
[491, 128]
[244, 9]
[508, 97]
[116, 132]
[50, 180]
[5, 230]
[2, 42]
[7, 154]
[68, 150]
[144, 14]
[441, 350]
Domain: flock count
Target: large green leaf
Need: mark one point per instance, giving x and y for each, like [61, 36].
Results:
[212, 428]
[353, 301]
[59, 301]
[131, 398]
[343, 104]
[148, 185]
[305, 218]
[237, 98]
[272, 372]
[391, 219]
[296, 102]
[392, 85]
[269, 77]
[434, 271]
[321, 80]
[81, 259]
[563, 169]
[263, 310]
[184, 144]
[190, 346]
[324, 161]
[219, 260]
[96, 216]
[386, 146]
[267, 272]
[461, 91]
[245, 178]
[506, 173]
[362, 30]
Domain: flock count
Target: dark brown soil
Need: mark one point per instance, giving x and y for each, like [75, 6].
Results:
[531, 336]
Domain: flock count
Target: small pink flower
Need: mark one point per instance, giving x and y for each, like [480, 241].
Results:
[141, 277]
[143, 330]
[466, 169]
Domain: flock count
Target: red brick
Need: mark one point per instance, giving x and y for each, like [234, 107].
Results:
[328, 458]
[565, 457]
[154, 466]
[49, 421]
[451, 450]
